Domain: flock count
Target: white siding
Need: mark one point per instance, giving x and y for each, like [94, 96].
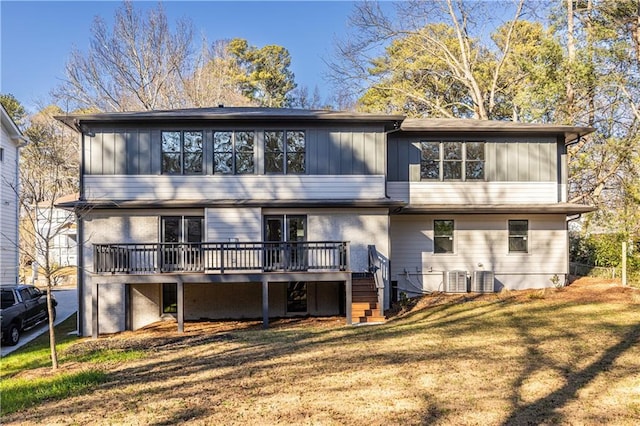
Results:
[259, 187]
[8, 210]
[480, 243]
[104, 229]
[420, 193]
[243, 224]
[358, 226]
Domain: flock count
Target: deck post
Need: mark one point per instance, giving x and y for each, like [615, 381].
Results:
[180, 302]
[265, 303]
[348, 296]
[95, 330]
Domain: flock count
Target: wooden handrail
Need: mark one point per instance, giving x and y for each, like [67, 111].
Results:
[221, 257]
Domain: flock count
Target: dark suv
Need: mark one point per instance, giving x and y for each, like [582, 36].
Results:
[23, 307]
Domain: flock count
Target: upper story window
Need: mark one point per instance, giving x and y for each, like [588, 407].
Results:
[518, 236]
[233, 152]
[452, 160]
[443, 236]
[285, 152]
[181, 152]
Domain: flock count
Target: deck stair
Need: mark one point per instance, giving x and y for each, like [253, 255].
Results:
[364, 298]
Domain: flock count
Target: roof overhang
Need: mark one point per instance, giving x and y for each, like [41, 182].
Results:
[492, 127]
[15, 135]
[557, 208]
[238, 114]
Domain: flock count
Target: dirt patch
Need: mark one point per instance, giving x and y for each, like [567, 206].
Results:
[582, 290]
[164, 333]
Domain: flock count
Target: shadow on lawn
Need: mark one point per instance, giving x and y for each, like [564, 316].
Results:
[543, 410]
[254, 364]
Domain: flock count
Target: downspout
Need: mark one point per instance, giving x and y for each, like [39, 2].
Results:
[396, 128]
[569, 219]
[80, 242]
[387, 290]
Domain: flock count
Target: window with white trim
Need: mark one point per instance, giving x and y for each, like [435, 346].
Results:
[443, 236]
[518, 236]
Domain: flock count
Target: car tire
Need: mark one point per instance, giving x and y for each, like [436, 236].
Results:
[13, 335]
[54, 314]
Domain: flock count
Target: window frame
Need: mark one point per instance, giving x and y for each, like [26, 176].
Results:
[450, 236]
[524, 238]
[166, 307]
[182, 153]
[297, 297]
[287, 152]
[235, 152]
[427, 162]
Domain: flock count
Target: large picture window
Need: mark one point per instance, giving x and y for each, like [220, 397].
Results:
[285, 152]
[452, 160]
[518, 236]
[443, 236]
[181, 152]
[233, 152]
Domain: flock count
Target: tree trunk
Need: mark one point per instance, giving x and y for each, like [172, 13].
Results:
[571, 55]
[52, 334]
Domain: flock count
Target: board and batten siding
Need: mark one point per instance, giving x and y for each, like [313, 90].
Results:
[456, 193]
[8, 211]
[335, 151]
[480, 243]
[259, 187]
[533, 159]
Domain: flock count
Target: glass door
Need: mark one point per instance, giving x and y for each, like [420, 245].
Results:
[175, 232]
[279, 229]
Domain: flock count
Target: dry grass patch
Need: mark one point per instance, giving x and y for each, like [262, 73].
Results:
[572, 357]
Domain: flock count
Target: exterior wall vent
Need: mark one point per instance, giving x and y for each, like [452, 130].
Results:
[482, 282]
[455, 281]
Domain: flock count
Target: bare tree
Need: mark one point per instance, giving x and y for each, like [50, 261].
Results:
[213, 81]
[48, 170]
[442, 39]
[138, 65]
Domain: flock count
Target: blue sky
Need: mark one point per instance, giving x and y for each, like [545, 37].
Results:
[37, 36]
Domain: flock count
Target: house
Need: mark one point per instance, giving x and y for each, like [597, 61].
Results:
[257, 212]
[59, 225]
[10, 143]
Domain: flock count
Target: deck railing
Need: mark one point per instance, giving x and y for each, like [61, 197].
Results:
[221, 257]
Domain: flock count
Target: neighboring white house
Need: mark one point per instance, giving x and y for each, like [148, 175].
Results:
[60, 226]
[10, 144]
[249, 212]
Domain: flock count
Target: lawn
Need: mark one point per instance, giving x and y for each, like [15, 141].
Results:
[568, 357]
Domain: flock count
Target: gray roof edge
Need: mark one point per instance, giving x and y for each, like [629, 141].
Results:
[491, 126]
[227, 113]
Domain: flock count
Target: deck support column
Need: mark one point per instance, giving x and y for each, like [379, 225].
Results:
[348, 297]
[180, 302]
[265, 303]
[95, 330]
